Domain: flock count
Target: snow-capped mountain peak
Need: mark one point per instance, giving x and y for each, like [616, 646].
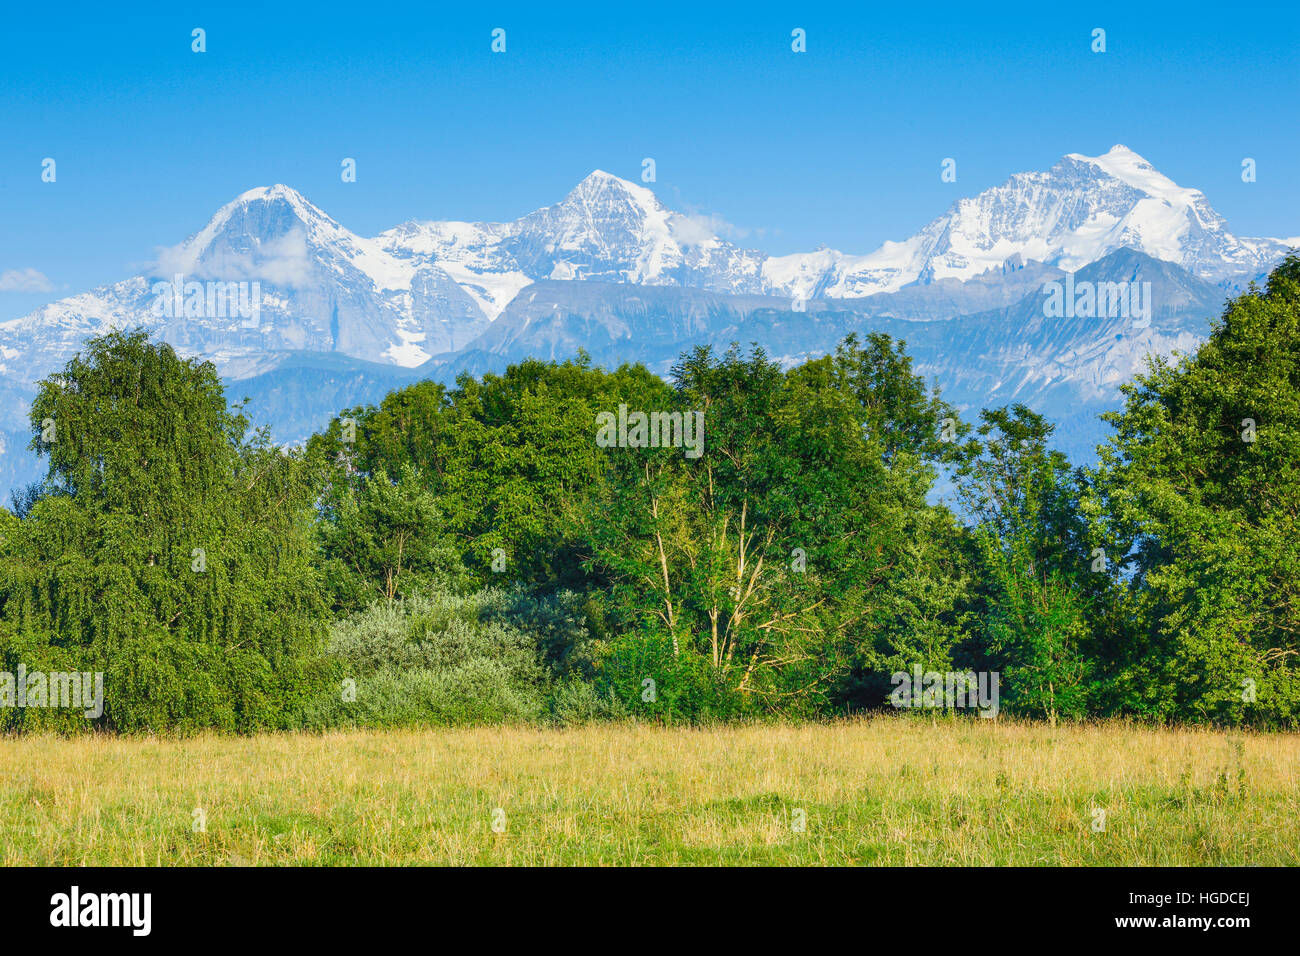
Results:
[270, 272]
[606, 228]
[1167, 212]
[1126, 165]
[278, 191]
[428, 287]
[1079, 211]
[599, 185]
[262, 213]
[275, 233]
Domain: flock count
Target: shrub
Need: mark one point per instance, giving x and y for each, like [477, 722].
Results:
[432, 658]
[578, 701]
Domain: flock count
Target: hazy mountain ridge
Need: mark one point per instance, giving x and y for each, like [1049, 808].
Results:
[1068, 367]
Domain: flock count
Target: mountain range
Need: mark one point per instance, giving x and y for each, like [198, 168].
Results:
[340, 319]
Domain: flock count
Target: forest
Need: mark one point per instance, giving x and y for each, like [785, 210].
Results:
[524, 549]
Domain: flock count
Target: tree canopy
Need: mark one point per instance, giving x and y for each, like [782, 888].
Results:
[741, 537]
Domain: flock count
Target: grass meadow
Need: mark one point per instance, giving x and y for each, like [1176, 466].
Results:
[879, 791]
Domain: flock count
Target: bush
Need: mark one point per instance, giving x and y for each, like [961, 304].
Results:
[578, 701]
[557, 621]
[641, 672]
[432, 658]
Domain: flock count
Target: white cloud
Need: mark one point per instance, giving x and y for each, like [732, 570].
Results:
[282, 261]
[692, 229]
[24, 280]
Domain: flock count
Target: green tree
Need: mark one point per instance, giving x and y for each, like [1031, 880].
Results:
[776, 572]
[1198, 490]
[169, 551]
[510, 458]
[1031, 617]
[384, 538]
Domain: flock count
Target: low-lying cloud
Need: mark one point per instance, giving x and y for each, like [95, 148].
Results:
[693, 229]
[283, 261]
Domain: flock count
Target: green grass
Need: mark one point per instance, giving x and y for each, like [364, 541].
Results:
[891, 790]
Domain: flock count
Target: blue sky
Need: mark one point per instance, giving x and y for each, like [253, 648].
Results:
[838, 146]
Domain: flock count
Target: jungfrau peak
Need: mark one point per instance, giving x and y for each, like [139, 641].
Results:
[1080, 210]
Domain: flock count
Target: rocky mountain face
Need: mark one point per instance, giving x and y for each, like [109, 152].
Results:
[305, 317]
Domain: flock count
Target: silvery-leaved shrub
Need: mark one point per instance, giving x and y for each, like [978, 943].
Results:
[575, 700]
[432, 658]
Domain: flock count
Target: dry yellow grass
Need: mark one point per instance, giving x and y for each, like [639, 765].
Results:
[891, 790]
